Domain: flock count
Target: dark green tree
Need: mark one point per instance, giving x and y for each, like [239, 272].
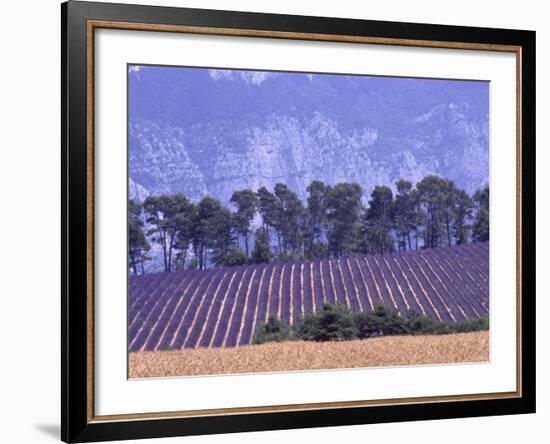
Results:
[168, 215]
[211, 232]
[233, 257]
[343, 204]
[436, 198]
[137, 242]
[273, 330]
[419, 219]
[316, 217]
[246, 202]
[269, 209]
[450, 206]
[319, 250]
[157, 209]
[461, 217]
[184, 236]
[379, 221]
[261, 253]
[404, 213]
[419, 324]
[223, 241]
[381, 321]
[289, 219]
[335, 322]
[481, 223]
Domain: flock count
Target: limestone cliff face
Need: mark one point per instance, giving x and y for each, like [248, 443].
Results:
[212, 132]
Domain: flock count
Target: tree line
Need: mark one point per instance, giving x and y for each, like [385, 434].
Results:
[264, 225]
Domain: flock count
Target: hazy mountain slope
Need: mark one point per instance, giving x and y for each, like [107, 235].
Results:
[212, 132]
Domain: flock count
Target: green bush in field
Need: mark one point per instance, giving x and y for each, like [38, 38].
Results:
[307, 328]
[335, 322]
[274, 330]
[468, 325]
[381, 321]
[332, 323]
[420, 324]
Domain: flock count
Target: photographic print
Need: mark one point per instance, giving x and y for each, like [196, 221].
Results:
[290, 221]
[278, 222]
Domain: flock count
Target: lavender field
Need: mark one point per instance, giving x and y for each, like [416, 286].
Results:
[222, 307]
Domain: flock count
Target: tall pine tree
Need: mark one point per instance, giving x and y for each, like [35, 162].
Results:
[246, 202]
[138, 245]
[481, 224]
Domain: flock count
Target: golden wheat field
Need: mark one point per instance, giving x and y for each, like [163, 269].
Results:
[289, 356]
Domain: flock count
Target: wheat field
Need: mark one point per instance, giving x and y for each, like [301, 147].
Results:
[293, 356]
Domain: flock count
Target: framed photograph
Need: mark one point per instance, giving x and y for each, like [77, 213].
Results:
[275, 221]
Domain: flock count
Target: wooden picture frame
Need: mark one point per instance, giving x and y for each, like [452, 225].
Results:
[80, 20]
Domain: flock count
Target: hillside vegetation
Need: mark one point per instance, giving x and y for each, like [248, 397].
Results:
[264, 226]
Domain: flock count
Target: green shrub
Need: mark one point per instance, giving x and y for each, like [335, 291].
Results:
[274, 330]
[420, 324]
[382, 321]
[337, 322]
[332, 323]
[361, 326]
[478, 324]
[307, 328]
[234, 257]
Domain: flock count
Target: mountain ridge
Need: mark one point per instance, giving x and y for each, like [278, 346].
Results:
[200, 131]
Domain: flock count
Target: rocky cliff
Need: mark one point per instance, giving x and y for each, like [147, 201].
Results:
[201, 131]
